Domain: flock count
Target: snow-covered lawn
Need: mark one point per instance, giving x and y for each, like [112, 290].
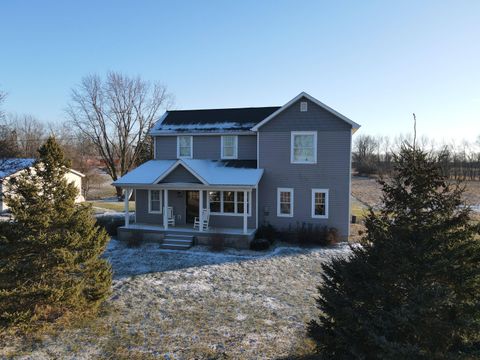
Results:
[198, 304]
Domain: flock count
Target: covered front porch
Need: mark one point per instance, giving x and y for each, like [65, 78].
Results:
[201, 198]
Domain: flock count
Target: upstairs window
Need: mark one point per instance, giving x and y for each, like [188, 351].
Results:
[155, 201]
[320, 203]
[229, 147]
[303, 106]
[303, 147]
[184, 147]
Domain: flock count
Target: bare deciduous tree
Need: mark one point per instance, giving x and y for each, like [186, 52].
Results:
[116, 114]
[30, 133]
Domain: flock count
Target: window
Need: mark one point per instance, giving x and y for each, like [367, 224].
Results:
[320, 203]
[228, 203]
[303, 106]
[285, 202]
[214, 198]
[303, 147]
[155, 201]
[229, 147]
[184, 146]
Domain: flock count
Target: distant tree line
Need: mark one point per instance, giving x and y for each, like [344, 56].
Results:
[372, 155]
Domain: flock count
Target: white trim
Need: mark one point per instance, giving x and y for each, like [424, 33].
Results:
[324, 191]
[126, 209]
[245, 217]
[174, 166]
[354, 125]
[235, 149]
[292, 136]
[150, 211]
[235, 203]
[178, 147]
[303, 106]
[292, 201]
[256, 209]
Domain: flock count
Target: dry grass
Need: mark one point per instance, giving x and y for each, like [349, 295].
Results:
[196, 305]
[112, 205]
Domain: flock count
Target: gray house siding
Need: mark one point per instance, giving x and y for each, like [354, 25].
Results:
[180, 175]
[332, 170]
[206, 147]
[177, 200]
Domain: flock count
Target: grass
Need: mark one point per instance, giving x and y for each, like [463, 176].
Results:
[196, 305]
[113, 205]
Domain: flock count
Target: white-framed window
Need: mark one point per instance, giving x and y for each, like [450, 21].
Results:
[155, 201]
[303, 147]
[320, 203]
[303, 106]
[229, 145]
[285, 202]
[228, 203]
[184, 146]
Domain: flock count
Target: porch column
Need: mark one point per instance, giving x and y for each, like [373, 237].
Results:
[200, 203]
[245, 194]
[127, 214]
[165, 209]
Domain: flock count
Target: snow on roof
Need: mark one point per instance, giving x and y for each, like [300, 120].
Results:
[207, 127]
[146, 173]
[11, 166]
[210, 172]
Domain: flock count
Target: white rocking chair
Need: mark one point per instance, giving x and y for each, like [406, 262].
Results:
[205, 221]
[170, 216]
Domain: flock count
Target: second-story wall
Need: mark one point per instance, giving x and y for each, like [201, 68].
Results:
[206, 147]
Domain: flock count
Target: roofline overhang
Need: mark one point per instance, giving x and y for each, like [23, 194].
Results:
[184, 186]
[200, 133]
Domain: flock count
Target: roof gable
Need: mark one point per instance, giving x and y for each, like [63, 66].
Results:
[353, 124]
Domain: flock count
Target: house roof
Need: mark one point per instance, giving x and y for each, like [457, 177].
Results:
[209, 172]
[230, 120]
[12, 165]
[208, 120]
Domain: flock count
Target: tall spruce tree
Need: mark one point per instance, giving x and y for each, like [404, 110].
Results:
[50, 261]
[412, 289]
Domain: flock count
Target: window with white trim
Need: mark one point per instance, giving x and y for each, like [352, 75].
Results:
[320, 203]
[303, 106]
[229, 146]
[303, 147]
[155, 201]
[184, 146]
[284, 202]
[228, 203]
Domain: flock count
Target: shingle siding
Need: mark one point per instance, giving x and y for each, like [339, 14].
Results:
[332, 170]
[206, 147]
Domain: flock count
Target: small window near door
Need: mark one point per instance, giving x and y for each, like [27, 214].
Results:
[184, 147]
[284, 202]
[320, 203]
[229, 147]
[239, 203]
[215, 201]
[228, 202]
[155, 201]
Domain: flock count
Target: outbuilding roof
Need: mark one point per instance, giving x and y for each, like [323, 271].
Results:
[13, 165]
[209, 172]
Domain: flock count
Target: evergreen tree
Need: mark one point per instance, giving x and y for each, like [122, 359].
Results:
[50, 261]
[412, 289]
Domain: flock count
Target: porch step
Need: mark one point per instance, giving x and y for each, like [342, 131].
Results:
[177, 241]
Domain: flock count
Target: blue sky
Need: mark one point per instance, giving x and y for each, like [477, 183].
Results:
[374, 61]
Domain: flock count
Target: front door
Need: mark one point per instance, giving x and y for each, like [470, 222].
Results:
[192, 206]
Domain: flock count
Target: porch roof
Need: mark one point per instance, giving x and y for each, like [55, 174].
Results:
[209, 172]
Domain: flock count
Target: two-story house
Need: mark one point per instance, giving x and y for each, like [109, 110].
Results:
[231, 170]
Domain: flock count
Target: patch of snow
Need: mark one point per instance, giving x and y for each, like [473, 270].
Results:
[220, 127]
[12, 165]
